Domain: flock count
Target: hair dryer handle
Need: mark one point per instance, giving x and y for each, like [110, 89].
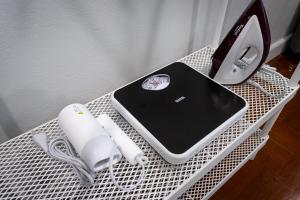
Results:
[127, 147]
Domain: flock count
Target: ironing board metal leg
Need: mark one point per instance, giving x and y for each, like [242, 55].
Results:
[253, 156]
[269, 124]
[293, 82]
[267, 127]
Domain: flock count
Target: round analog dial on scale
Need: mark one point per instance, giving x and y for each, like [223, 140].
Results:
[156, 82]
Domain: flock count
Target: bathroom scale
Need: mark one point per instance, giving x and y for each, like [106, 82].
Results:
[178, 110]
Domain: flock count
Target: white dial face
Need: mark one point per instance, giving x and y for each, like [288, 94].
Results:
[156, 82]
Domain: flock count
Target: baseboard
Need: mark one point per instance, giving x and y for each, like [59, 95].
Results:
[278, 46]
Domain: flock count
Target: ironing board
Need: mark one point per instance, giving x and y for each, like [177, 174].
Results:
[28, 173]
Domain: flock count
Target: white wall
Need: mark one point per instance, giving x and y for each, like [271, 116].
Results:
[282, 15]
[56, 52]
[53, 53]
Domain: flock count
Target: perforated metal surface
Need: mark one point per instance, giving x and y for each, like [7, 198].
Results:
[28, 173]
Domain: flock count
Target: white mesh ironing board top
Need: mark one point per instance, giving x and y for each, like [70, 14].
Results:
[28, 173]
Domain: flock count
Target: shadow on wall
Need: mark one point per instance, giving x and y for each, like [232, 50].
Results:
[89, 22]
[193, 26]
[294, 44]
[7, 122]
[44, 110]
[295, 20]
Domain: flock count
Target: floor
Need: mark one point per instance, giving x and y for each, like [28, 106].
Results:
[275, 172]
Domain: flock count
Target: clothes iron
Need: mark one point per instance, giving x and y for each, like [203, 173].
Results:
[244, 49]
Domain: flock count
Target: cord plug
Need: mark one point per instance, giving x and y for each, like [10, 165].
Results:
[41, 140]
